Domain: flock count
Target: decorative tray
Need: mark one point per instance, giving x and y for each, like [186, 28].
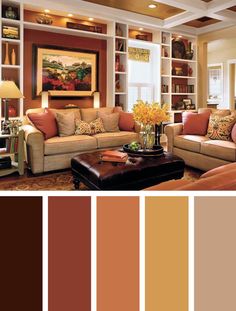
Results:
[158, 151]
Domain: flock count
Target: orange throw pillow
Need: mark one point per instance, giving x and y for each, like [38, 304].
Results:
[45, 122]
[126, 121]
[195, 123]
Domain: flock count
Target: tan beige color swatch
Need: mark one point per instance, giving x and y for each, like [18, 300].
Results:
[215, 254]
[166, 254]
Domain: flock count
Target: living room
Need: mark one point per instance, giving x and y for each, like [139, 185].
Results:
[118, 96]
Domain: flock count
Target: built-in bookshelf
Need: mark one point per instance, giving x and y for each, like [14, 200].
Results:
[179, 71]
[175, 86]
[11, 51]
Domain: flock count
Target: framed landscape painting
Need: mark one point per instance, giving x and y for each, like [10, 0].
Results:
[64, 72]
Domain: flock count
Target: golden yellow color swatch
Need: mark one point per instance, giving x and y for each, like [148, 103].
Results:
[166, 243]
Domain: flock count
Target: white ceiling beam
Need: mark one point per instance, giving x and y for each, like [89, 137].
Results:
[219, 5]
[213, 27]
[180, 19]
[187, 5]
[226, 16]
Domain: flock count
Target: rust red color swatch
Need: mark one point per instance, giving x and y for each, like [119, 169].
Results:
[21, 253]
[69, 267]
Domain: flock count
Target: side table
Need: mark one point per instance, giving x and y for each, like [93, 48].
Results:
[14, 149]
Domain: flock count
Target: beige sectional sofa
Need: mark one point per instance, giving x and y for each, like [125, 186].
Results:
[200, 151]
[56, 153]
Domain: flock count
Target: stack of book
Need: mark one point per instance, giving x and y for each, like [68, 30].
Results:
[114, 156]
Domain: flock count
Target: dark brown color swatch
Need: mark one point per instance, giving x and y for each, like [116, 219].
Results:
[69, 268]
[21, 253]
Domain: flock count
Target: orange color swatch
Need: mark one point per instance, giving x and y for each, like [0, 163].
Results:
[118, 253]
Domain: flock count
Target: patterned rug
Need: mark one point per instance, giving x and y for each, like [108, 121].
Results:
[62, 181]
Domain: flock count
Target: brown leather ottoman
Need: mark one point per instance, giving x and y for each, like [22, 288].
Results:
[136, 174]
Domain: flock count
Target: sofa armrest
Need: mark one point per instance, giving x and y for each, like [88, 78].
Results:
[35, 148]
[172, 130]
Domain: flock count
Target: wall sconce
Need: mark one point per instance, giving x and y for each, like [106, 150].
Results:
[96, 100]
[44, 99]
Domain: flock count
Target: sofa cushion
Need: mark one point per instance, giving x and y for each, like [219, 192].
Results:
[61, 145]
[90, 114]
[66, 124]
[94, 127]
[189, 142]
[223, 181]
[45, 122]
[75, 111]
[110, 121]
[221, 149]
[220, 128]
[219, 170]
[195, 123]
[106, 140]
[126, 121]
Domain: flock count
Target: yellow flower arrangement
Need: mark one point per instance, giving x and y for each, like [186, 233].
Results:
[150, 114]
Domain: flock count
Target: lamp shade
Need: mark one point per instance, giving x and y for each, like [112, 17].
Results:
[8, 89]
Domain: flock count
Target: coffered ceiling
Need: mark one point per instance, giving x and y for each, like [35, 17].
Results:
[162, 10]
[196, 16]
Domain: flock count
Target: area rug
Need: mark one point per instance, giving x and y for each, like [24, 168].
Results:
[62, 181]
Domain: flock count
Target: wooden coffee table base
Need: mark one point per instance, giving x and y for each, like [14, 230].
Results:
[136, 174]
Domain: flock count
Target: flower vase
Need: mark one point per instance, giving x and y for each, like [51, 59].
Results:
[147, 136]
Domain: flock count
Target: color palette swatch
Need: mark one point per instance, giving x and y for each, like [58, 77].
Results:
[166, 253]
[21, 253]
[129, 253]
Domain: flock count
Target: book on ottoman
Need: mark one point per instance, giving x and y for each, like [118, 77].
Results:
[114, 156]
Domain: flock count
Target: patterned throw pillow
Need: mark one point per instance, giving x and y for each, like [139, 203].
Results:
[94, 127]
[220, 128]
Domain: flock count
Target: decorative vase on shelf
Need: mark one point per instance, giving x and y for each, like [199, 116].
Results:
[9, 13]
[7, 61]
[13, 57]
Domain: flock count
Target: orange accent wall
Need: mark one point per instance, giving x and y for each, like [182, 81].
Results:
[47, 38]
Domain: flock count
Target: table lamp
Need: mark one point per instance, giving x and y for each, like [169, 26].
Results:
[8, 90]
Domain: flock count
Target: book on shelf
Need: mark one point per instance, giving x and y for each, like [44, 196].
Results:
[11, 145]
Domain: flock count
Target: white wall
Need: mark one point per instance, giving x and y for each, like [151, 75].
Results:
[220, 51]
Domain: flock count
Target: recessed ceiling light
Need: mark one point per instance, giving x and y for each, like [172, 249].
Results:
[152, 6]
[70, 15]
[91, 19]
[140, 28]
[47, 11]
[180, 36]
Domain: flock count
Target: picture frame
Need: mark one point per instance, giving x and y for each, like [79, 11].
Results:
[178, 49]
[64, 72]
[188, 104]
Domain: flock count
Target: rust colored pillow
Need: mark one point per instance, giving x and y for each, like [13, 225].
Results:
[195, 123]
[126, 121]
[45, 122]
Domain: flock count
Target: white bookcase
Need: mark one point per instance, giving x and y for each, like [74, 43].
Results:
[8, 69]
[178, 75]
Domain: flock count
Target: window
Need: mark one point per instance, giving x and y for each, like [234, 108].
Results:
[215, 83]
[144, 73]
